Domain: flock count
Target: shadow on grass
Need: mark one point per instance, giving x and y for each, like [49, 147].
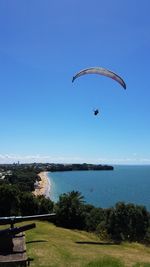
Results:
[36, 241]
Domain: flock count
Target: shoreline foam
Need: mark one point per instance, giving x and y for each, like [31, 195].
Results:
[43, 186]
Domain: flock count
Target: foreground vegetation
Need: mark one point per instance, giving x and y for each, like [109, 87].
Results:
[53, 246]
[124, 222]
[118, 236]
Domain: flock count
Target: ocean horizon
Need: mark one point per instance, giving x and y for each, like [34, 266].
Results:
[127, 183]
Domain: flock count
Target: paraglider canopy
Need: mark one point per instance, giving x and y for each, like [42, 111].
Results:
[101, 71]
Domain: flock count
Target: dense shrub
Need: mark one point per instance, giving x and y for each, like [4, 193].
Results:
[127, 222]
[9, 200]
[93, 218]
[14, 202]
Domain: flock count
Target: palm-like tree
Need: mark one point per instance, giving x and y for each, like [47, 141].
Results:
[69, 210]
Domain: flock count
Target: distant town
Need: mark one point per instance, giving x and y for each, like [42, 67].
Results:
[6, 169]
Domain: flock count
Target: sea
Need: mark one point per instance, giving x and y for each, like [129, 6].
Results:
[130, 184]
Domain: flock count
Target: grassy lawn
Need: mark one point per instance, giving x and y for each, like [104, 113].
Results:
[49, 245]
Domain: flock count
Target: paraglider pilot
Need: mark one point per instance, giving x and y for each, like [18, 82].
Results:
[96, 111]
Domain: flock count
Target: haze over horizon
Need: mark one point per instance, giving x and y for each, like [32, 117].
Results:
[47, 118]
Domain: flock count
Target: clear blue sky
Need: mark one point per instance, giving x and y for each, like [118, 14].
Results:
[46, 118]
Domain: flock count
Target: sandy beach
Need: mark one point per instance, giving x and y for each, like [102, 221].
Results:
[43, 186]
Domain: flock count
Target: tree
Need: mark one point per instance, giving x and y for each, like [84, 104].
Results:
[45, 205]
[127, 222]
[69, 210]
[9, 200]
[28, 204]
[93, 218]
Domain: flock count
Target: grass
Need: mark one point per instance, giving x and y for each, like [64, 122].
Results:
[51, 246]
[106, 262]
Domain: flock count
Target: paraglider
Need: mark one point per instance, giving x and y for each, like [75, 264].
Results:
[101, 71]
[96, 111]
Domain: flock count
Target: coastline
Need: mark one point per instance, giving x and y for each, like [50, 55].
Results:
[43, 186]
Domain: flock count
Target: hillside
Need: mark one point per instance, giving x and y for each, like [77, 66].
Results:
[49, 245]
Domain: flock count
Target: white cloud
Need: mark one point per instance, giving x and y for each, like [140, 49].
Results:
[11, 158]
